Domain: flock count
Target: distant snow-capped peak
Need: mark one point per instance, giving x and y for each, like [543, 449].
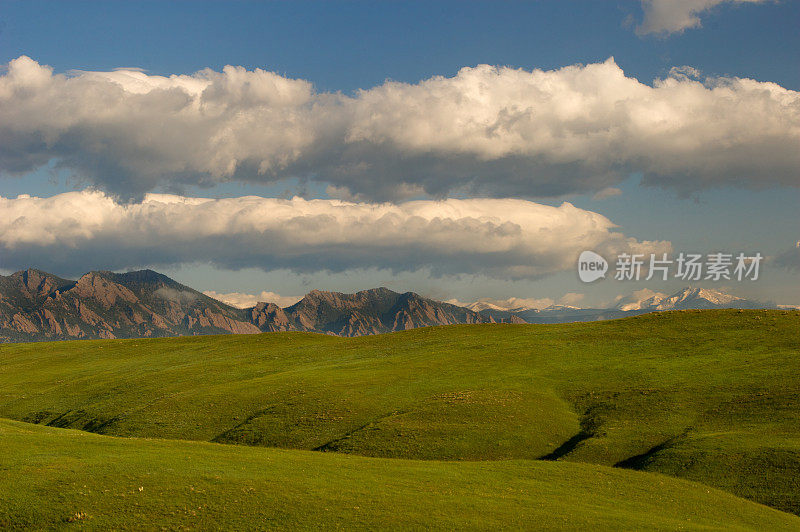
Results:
[512, 304]
[640, 299]
[687, 298]
[693, 297]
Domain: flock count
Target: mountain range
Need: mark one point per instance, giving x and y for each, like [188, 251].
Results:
[35, 306]
[641, 302]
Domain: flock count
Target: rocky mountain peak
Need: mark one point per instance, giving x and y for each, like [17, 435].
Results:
[37, 282]
[104, 304]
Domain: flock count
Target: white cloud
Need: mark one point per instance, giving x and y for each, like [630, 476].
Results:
[500, 238]
[671, 16]
[490, 131]
[242, 300]
[638, 299]
[571, 299]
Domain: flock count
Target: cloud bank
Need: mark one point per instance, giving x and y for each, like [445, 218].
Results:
[490, 131]
[672, 16]
[243, 300]
[501, 238]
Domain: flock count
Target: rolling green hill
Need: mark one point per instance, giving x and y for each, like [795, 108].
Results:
[56, 477]
[705, 395]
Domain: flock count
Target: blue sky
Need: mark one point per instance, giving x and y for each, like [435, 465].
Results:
[351, 45]
[347, 46]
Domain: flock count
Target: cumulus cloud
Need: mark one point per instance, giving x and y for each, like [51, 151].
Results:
[242, 300]
[671, 16]
[638, 299]
[500, 238]
[489, 131]
[571, 299]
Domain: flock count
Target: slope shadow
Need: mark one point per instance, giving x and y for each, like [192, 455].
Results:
[640, 461]
[568, 446]
[589, 425]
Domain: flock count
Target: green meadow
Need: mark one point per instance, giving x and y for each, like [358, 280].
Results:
[683, 419]
[61, 478]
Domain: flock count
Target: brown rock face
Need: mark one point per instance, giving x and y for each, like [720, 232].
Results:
[22, 323]
[37, 283]
[106, 293]
[35, 305]
[38, 306]
[370, 312]
[270, 317]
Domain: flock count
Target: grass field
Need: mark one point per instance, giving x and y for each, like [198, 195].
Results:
[58, 477]
[710, 396]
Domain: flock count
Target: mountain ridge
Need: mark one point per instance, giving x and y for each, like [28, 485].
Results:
[689, 298]
[36, 305]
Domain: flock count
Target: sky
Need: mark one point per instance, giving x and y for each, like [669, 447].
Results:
[462, 150]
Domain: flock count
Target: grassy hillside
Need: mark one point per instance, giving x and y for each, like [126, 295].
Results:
[706, 395]
[53, 477]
